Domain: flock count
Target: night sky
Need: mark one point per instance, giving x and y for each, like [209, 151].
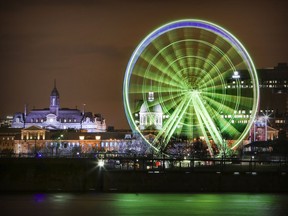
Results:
[85, 45]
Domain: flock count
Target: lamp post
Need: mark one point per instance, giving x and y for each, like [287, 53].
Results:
[35, 152]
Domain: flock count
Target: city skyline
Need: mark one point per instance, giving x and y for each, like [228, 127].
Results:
[86, 46]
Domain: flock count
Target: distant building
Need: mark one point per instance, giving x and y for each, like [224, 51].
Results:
[36, 140]
[274, 96]
[54, 117]
[273, 105]
[151, 114]
[6, 121]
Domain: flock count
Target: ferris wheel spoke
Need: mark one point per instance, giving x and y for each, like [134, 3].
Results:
[222, 122]
[220, 75]
[157, 66]
[153, 77]
[140, 89]
[168, 128]
[201, 125]
[178, 119]
[233, 100]
[215, 103]
[208, 121]
[189, 65]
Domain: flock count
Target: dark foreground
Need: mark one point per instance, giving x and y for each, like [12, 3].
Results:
[84, 175]
[143, 204]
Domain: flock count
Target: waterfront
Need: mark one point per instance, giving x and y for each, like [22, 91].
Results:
[143, 204]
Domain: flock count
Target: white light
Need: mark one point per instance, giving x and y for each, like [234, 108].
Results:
[101, 163]
[236, 75]
[151, 96]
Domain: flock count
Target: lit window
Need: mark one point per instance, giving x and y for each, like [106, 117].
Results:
[81, 137]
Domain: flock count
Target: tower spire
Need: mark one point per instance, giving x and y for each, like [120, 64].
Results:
[54, 100]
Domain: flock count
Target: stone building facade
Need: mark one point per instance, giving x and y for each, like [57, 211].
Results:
[55, 118]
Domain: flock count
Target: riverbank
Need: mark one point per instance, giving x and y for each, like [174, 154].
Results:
[84, 175]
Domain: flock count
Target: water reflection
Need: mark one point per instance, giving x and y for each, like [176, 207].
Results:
[144, 204]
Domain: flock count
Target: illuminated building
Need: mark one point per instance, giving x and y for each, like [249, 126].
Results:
[150, 117]
[54, 117]
[62, 143]
[274, 95]
[6, 121]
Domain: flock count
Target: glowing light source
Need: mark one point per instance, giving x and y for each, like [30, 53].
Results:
[185, 66]
[101, 163]
[236, 75]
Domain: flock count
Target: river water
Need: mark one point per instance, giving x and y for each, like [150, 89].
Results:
[147, 204]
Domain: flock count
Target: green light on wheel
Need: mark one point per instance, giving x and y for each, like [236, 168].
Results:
[189, 79]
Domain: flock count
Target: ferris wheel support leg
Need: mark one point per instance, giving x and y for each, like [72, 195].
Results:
[203, 130]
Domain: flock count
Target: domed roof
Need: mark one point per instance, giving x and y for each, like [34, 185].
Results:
[144, 108]
[156, 108]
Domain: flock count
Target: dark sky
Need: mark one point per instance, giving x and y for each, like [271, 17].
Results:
[87, 44]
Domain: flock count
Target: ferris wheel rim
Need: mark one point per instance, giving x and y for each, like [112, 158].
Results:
[190, 23]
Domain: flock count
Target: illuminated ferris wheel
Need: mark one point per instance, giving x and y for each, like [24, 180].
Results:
[191, 79]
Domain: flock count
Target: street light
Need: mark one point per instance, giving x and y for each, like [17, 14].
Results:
[101, 163]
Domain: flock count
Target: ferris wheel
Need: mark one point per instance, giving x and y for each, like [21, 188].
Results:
[190, 79]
